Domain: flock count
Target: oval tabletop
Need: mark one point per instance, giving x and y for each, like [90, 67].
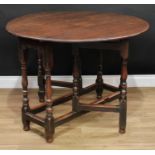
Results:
[77, 26]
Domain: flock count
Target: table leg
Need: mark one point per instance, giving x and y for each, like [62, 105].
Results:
[123, 88]
[25, 107]
[49, 120]
[41, 78]
[80, 71]
[76, 76]
[99, 80]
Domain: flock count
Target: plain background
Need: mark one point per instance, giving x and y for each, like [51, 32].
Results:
[142, 53]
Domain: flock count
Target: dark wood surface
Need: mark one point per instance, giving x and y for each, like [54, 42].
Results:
[77, 26]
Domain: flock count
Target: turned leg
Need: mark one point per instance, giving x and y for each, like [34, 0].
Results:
[49, 120]
[25, 107]
[76, 76]
[99, 80]
[123, 88]
[41, 80]
[80, 71]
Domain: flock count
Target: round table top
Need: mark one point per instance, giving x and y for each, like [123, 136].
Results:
[76, 26]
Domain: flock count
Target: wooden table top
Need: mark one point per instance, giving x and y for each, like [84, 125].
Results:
[77, 26]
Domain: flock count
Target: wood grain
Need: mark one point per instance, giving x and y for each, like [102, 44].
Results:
[76, 26]
[94, 130]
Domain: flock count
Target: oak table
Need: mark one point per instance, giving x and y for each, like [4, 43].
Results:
[97, 30]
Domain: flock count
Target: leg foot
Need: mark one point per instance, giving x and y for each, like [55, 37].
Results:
[121, 131]
[49, 128]
[122, 117]
[26, 126]
[41, 97]
[26, 123]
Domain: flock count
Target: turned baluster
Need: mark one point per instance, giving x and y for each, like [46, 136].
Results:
[99, 80]
[76, 75]
[123, 88]
[49, 120]
[80, 71]
[41, 78]
[23, 53]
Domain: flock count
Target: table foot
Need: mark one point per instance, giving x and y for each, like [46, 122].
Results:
[49, 127]
[99, 96]
[121, 131]
[26, 127]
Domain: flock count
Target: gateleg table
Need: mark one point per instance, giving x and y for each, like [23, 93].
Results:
[85, 29]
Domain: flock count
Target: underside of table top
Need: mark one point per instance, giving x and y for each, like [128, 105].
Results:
[77, 26]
